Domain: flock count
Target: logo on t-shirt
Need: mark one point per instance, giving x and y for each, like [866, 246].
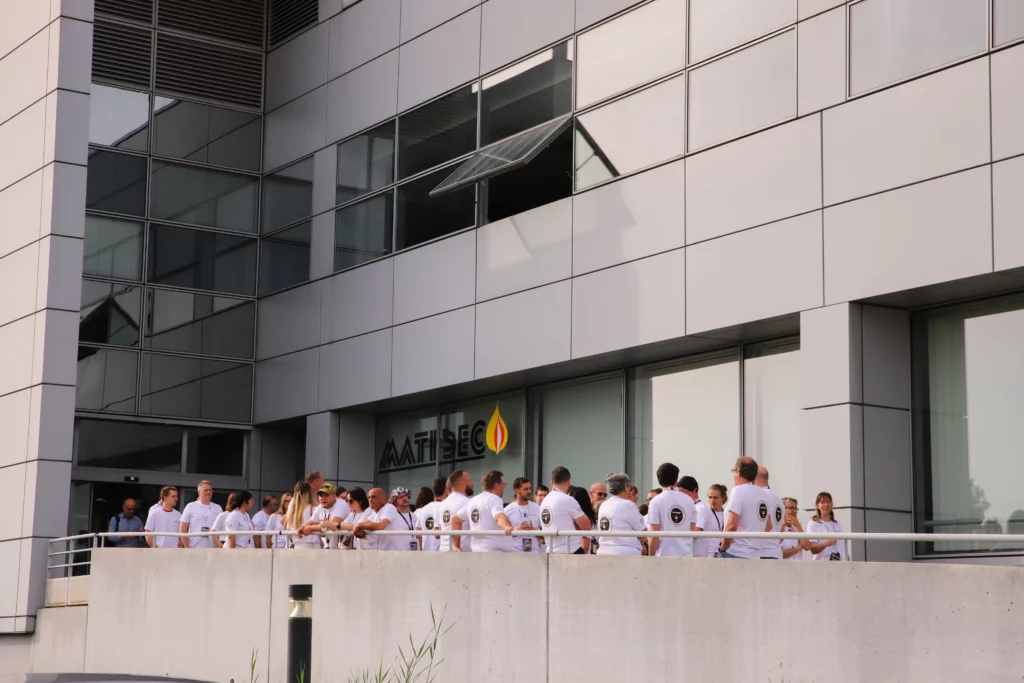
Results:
[762, 510]
[429, 523]
[605, 524]
[446, 517]
[778, 514]
[475, 516]
[545, 516]
[677, 515]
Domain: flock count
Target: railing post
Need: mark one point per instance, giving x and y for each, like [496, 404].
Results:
[300, 633]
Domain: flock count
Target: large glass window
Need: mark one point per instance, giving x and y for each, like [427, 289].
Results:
[208, 134]
[894, 39]
[116, 183]
[362, 232]
[198, 259]
[199, 323]
[113, 248]
[106, 380]
[215, 451]
[437, 132]
[129, 445]
[284, 258]
[204, 196]
[408, 448]
[366, 163]
[288, 195]
[119, 118]
[109, 313]
[177, 386]
[1008, 21]
[967, 386]
[422, 218]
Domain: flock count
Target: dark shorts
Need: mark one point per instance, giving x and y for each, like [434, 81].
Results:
[579, 551]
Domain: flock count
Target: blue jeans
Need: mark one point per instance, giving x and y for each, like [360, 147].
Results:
[727, 556]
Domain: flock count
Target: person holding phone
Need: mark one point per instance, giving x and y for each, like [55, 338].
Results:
[825, 521]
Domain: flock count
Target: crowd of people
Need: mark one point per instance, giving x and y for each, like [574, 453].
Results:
[316, 507]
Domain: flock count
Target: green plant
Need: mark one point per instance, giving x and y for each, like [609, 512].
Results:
[419, 663]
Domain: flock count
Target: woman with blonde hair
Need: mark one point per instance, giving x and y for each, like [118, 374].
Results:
[792, 549]
[825, 521]
[276, 523]
[299, 512]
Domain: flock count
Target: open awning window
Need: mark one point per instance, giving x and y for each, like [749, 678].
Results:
[502, 157]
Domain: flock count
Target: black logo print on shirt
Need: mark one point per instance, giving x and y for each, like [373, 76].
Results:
[762, 510]
[605, 524]
[778, 514]
[677, 515]
[446, 517]
[429, 524]
[545, 516]
[475, 516]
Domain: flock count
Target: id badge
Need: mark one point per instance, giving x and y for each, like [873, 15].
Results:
[205, 528]
[527, 545]
[413, 545]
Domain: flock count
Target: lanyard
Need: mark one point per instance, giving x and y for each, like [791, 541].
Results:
[408, 522]
[720, 527]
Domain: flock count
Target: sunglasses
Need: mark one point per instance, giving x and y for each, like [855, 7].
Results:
[599, 494]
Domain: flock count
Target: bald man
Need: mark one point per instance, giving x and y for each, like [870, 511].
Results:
[386, 517]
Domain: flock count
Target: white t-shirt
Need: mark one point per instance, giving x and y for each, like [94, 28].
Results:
[672, 510]
[200, 517]
[557, 513]
[162, 520]
[771, 547]
[831, 528]
[276, 523]
[481, 512]
[259, 520]
[709, 520]
[426, 520]
[792, 543]
[322, 514]
[449, 508]
[308, 541]
[619, 514]
[239, 521]
[751, 504]
[368, 543]
[517, 514]
[397, 521]
[218, 525]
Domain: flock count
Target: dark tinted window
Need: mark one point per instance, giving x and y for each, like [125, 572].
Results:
[106, 380]
[203, 196]
[362, 232]
[116, 183]
[201, 260]
[176, 386]
[109, 313]
[284, 259]
[547, 178]
[199, 323]
[129, 445]
[113, 248]
[288, 195]
[200, 132]
[366, 162]
[437, 132]
[422, 217]
[215, 451]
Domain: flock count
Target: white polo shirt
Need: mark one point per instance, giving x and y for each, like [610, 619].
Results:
[322, 514]
[771, 547]
[672, 510]
[751, 504]
[162, 520]
[517, 514]
[619, 514]
[449, 508]
[426, 520]
[557, 513]
[200, 517]
[481, 512]
[239, 521]
[396, 522]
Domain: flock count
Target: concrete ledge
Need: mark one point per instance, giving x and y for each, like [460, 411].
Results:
[67, 592]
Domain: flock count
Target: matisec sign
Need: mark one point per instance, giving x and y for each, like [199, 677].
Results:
[465, 442]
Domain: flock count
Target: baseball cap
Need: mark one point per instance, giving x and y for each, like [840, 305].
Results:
[326, 488]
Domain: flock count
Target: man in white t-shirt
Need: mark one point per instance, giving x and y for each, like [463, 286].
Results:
[460, 490]
[328, 514]
[525, 516]
[260, 519]
[670, 510]
[199, 516]
[485, 512]
[561, 512]
[771, 548]
[166, 519]
[688, 486]
[428, 516]
[391, 516]
[747, 511]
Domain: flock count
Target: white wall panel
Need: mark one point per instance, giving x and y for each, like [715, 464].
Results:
[70, 61]
[12, 483]
[527, 250]
[830, 355]
[821, 61]
[22, 142]
[629, 219]
[357, 301]
[287, 386]
[592, 11]
[636, 303]
[16, 339]
[51, 422]
[920, 130]
[288, 321]
[18, 273]
[21, 21]
[362, 33]
[1008, 213]
[919, 235]
[298, 66]
[755, 274]
[513, 28]
[59, 283]
[55, 338]
[63, 198]
[717, 25]
[433, 352]
[45, 514]
[835, 434]
[354, 371]
[1007, 103]
[14, 415]
[295, 130]
[440, 60]
[808, 8]
[887, 459]
[23, 75]
[20, 206]
[362, 97]
[67, 128]
[419, 16]
[436, 278]
[524, 330]
[766, 177]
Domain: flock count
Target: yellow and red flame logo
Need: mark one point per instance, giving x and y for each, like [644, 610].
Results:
[497, 432]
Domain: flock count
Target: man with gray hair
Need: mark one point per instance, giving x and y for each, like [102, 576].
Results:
[618, 513]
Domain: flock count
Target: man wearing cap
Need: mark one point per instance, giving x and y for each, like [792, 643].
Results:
[327, 515]
[391, 516]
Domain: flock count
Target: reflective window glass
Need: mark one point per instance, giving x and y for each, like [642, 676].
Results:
[288, 195]
[894, 39]
[113, 248]
[462, 442]
[437, 132]
[632, 49]
[198, 259]
[719, 25]
[422, 218]
[215, 451]
[1008, 20]
[116, 183]
[109, 313]
[204, 196]
[284, 259]
[631, 133]
[129, 445]
[106, 380]
[362, 232]
[119, 118]
[199, 323]
[366, 163]
[547, 178]
[400, 441]
[527, 94]
[204, 133]
[743, 91]
[176, 386]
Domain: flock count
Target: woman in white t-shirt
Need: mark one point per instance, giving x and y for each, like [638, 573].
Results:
[221, 520]
[792, 549]
[825, 521]
[276, 523]
[618, 513]
[359, 511]
[239, 520]
[299, 512]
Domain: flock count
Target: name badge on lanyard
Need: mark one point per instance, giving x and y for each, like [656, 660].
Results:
[527, 545]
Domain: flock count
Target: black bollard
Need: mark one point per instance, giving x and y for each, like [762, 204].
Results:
[300, 633]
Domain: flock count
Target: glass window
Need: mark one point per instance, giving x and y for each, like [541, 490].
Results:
[176, 386]
[718, 25]
[199, 323]
[109, 313]
[215, 451]
[408, 447]
[547, 178]
[203, 196]
[967, 385]
[106, 380]
[744, 91]
[422, 218]
[894, 39]
[437, 132]
[1008, 21]
[288, 195]
[362, 232]
[366, 163]
[197, 259]
[116, 183]
[113, 248]
[635, 48]
[527, 94]
[631, 133]
[200, 132]
[284, 259]
[129, 445]
[463, 442]
[119, 118]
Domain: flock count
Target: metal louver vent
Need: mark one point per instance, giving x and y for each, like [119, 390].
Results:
[239, 21]
[185, 66]
[288, 17]
[121, 54]
[134, 10]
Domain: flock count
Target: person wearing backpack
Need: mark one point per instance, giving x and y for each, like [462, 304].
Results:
[125, 521]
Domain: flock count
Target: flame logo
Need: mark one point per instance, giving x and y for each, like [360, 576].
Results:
[497, 432]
